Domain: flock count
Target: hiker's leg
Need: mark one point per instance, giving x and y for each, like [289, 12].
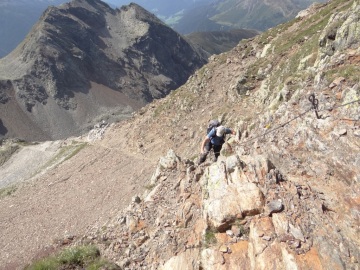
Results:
[203, 155]
[217, 149]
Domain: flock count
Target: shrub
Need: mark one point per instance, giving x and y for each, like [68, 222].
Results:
[87, 257]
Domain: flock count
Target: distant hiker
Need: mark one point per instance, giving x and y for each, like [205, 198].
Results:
[214, 139]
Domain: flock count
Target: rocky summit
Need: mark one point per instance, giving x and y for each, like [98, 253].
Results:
[83, 62]
[284, 193]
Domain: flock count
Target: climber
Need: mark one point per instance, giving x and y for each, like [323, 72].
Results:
[214, 140]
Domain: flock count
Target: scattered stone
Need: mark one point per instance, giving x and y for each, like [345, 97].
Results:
[296, 232]
[230, 233]
[340, 132]
[337, 82]
[136, 199]
[275, 206]
[223, 249]
[266, 238]
[296, 244]
[236, 231]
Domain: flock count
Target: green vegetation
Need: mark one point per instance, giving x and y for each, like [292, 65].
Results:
[210, 238]
[6, 152]
[244, 230]
[82, 257]
[150, 186]
[66, 153]
[295, 50]
[74, 149]
[349, 72]
[7, 191]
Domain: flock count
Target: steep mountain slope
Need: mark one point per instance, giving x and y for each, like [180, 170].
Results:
[217, 42]
[246, 14]
[83, 60]
[283, 195]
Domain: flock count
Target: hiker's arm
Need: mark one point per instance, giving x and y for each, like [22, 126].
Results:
[203, 144]
[230, 131]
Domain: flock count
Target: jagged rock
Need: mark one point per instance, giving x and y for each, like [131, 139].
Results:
[232, 163]
[186, 260]
[225, 200]
[296, 232]
[327, 256]
[170, 161]
[136, 199]
[281, 223]
[273, 207]
[230, 233]
[212, 259]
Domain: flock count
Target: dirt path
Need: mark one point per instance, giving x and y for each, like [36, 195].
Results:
[69, 198]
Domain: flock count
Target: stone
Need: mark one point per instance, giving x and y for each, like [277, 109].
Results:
[266, 238]
[230, 233]
[223, 249]
[341, 132]
[236, 231]
[211, 259]
[232, 162]
[296, 232]
[275, 206]
[136, 199]
[337, 82]
[226, 200]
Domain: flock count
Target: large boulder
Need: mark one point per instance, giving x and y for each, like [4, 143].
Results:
[224, 200]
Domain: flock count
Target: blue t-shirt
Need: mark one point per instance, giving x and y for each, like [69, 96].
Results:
[215, 140]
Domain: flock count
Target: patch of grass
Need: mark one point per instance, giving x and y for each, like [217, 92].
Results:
[66, 153]
[76, 149]
[244, 230]
[349, 72]
[150, 186]
[82, 257]
[6, 152]
[210, 238]
[4, 192]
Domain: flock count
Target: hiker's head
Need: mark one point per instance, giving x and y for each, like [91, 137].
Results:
[220, 131]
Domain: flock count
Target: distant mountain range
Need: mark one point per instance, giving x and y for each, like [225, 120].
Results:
[234, 14]
[187, 16]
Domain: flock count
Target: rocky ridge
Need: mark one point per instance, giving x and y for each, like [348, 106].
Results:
[283, 195]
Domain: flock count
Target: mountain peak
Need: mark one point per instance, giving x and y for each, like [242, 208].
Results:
[85, 46]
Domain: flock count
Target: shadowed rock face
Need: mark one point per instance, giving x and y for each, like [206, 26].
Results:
[80, 53]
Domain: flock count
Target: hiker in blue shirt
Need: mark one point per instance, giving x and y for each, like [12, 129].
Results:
[214, 140]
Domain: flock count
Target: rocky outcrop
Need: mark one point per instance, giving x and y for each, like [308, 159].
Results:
[208, 218]
[84, 60]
